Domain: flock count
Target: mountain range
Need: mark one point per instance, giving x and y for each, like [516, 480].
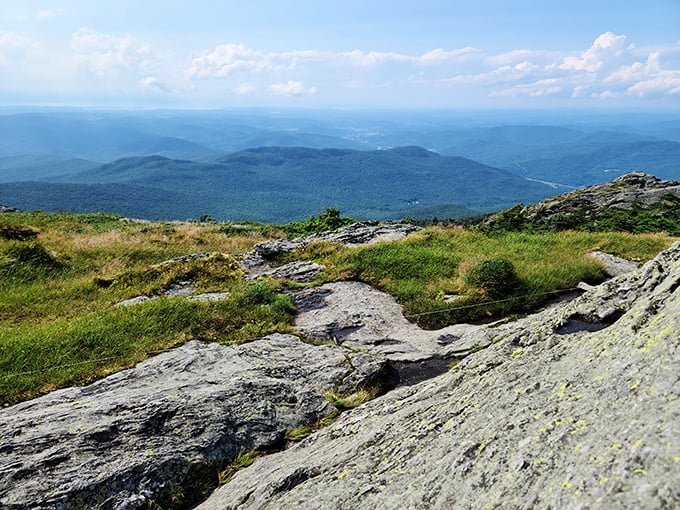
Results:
[281, 166]
[281, 184]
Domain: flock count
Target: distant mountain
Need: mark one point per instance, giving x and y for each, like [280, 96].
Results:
[281, 184]
[567, 156]
[133, 201]
[45, 169]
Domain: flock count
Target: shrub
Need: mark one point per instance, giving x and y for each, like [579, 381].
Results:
[328, 220]
[496, 277]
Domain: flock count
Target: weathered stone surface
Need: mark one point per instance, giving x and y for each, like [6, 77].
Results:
[615, 266]
[184, 259]
[301, 271]
[210, 296]
[536, 420]
[358, 316]
[622, 193]
[120, 441]
[631, 189]
[353, 235]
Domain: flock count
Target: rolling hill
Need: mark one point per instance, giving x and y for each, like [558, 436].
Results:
[281, 184]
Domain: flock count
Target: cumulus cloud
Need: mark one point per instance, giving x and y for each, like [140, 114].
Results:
[605, 48]
[227, 59]
[106, 54]
[609, 67]
[291, 88]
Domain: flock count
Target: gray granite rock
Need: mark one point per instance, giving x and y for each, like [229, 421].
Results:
[358, 316]
[300, 271]
[542, 418]
[183, 414]
[353, 235]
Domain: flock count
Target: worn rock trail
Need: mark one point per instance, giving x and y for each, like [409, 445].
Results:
[538, 419]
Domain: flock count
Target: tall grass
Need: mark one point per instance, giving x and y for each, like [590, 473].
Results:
[421, 270]
[58, 323]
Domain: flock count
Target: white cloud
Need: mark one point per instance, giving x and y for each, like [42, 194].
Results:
[291, 88]
[106, 54]
[50, 13]
[539, 88]
[605, 47]
[224, 60]
[153, 84]
[439, 56]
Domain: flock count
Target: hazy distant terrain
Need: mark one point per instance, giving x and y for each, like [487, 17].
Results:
[280, 166]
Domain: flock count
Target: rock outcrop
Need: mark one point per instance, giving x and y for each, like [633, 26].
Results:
[6, 208]
[353, 235]
[634, 189]
[173, 419]
[551, 415]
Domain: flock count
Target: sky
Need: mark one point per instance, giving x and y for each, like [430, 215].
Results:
[396, 54]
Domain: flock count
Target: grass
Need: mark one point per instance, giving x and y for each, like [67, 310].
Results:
[62, 274]
[421, 270]
[242, 461]
[58, 322]
[344, 402]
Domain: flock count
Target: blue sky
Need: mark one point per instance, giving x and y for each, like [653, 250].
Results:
[342, 54]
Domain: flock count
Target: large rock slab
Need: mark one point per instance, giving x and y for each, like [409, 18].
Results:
[538, 419]
[358, 316]
[179, 416]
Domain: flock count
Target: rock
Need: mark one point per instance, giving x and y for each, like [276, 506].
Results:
[301, 272]
[177, 417]
[353, 235]
[358, 316]
[184, 259]
[210, 296]
[584, 206]
[136, 300]
[8, 209]
[180, 288]
[535, 420]
[614, 266]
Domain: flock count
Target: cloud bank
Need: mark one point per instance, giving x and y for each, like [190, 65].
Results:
[611, 70]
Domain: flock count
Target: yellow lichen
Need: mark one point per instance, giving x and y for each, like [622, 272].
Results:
[560, 393]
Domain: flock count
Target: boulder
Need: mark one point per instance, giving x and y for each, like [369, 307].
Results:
[176, 418]
[542, 418]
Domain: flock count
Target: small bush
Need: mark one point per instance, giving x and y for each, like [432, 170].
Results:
[328, 220]
[496, 277]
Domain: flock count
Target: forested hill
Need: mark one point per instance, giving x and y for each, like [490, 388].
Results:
[281, 184]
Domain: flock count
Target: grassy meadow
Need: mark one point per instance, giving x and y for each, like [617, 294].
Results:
[62, 274]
